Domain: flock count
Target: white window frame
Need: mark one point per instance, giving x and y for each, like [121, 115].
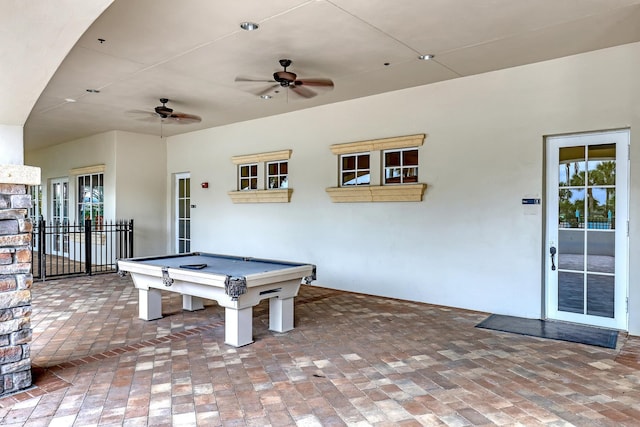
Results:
[249, 177]
[401, 167]
[282, 179]
[356, 171]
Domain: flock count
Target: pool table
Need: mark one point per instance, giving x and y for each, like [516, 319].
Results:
[236, 283]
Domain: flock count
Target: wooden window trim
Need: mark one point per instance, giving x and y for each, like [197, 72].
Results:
[379, 144]
[262, 157]
[87, 170]
[377, 193]
[261, 196]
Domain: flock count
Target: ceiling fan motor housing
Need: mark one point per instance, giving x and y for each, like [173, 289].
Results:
[162, 110]
[285, 78]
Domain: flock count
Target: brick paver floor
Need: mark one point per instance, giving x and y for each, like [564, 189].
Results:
[352, 360]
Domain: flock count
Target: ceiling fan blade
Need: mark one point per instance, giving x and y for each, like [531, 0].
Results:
[250, 79]
[303, 91]
[314, 82]
[268, 90]
[143, 115]
[183, 118]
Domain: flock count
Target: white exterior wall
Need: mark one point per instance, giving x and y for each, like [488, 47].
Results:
[11, 145]
[134, 180]
[470, 243]
[56, 161]
[141, 162]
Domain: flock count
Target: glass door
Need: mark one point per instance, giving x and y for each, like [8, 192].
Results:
[587, 230]
[60, 216]
[183, 213]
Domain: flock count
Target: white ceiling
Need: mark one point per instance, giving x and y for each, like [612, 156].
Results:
[192, 51]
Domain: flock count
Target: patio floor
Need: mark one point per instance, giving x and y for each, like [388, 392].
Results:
[352, 360]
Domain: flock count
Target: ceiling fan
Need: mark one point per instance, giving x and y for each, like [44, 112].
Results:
[166, 115]
[289, 80]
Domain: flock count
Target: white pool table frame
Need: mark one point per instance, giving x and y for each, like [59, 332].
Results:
[279, 286]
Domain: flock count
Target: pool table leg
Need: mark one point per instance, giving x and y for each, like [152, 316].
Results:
[191, 303]
[281, 314]
[238, 327]
[149, 304]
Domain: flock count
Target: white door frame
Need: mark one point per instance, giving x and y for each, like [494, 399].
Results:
[59, 246]
[553, 144]
[182, 217]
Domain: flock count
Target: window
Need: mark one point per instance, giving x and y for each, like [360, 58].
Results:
[277, 174]
[91, 198]
[355, 169]
[392, 178]
[401, 166]
[248, 176]
[262, 178]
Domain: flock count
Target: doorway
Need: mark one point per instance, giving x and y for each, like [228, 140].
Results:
[586, 269]
[60, 216]
[183, 213]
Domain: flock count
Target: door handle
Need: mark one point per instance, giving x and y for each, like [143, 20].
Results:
[552, 251]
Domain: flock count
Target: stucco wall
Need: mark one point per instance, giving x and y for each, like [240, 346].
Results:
[135, 167]
[470, 243]
[141, 162]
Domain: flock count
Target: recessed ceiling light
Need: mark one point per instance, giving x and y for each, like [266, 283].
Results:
[426, 57]
[265, 96]
[70, 100]
[249, 26]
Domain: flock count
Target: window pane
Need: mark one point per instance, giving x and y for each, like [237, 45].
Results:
[348, 178]
[363, 178]
[273, 169]
[571, 205]
[244, 171]
[254, 183]
[600, 295]
[363, 161]
[571, 292]
[602, 164]
[410, 175]
[571, 250]
[348, 162]
[284, 166]
[601, 210]
[392, 158]
[601, 251]
[572, 166]
[254, 170]
[244, 184]
[410, 158]
[187, 184]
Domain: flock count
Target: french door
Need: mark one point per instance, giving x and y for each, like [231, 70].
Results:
[60, 216]
[587, 228]
[183, 212]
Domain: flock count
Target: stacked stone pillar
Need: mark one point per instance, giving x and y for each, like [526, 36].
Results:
[15, 279]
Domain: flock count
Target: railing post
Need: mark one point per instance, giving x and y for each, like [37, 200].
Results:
[87, 246]
[130, 232]
[42, 253]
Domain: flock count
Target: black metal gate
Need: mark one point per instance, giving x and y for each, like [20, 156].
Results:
[60, 249]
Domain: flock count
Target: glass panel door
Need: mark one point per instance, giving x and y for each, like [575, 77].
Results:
[183, 213]
[60, 216]
[587, 228]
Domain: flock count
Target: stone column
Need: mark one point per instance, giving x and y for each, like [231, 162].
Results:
[15, 277]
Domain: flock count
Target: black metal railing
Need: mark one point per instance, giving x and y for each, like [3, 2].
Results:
[63, 249]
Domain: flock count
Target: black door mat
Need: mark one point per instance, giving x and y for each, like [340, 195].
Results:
[550, 329]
